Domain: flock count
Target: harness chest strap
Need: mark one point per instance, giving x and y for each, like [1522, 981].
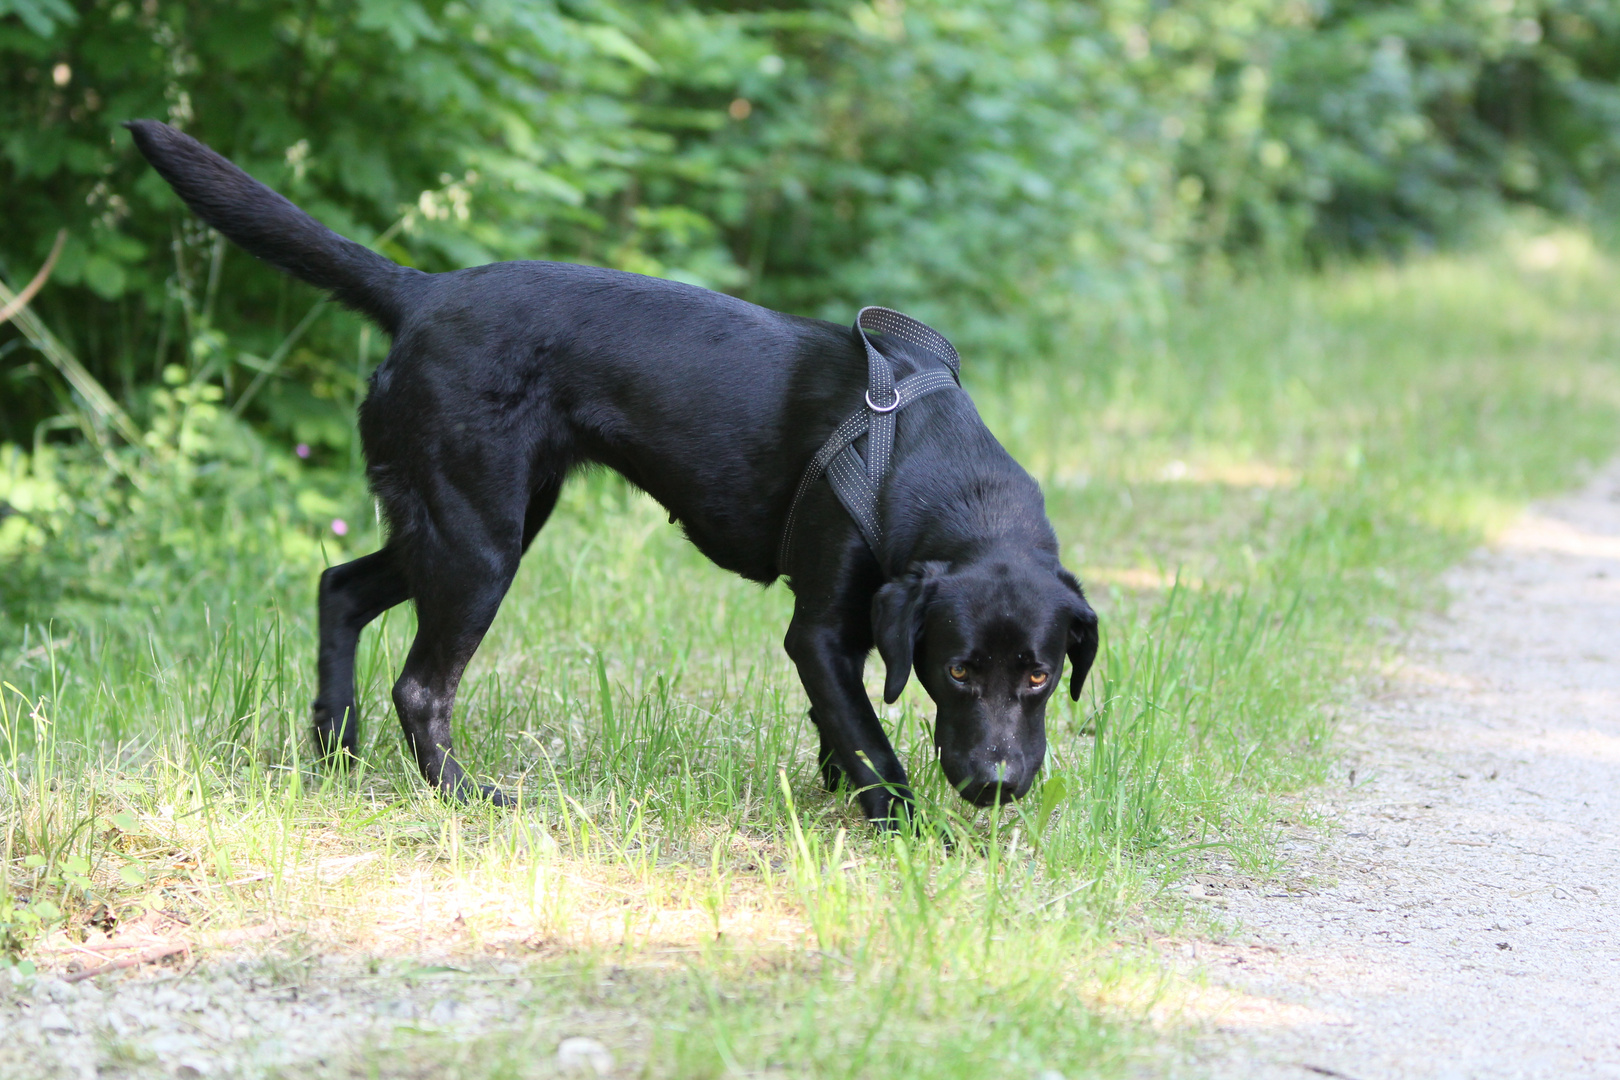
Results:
[855, 481]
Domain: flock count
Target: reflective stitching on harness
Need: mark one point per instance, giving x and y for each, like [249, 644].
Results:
[842, 440]
[857, 483]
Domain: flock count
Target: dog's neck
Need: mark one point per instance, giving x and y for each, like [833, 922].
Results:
[971, 520]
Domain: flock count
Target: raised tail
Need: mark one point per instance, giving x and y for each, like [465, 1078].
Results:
[266, 225]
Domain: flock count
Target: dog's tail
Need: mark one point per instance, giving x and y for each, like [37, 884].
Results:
[264, 224]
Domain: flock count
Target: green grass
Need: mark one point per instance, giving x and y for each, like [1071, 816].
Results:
[1256, 489]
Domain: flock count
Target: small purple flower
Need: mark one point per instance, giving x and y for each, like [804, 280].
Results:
[340, 526]
[302, 449]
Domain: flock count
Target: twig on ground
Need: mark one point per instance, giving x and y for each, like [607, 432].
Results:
[156, 952]
[1323, 1070]
[153, 951]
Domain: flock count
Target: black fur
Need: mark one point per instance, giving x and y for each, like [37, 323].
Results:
[502, 379]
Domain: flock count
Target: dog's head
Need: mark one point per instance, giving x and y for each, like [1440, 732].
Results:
[988, 641]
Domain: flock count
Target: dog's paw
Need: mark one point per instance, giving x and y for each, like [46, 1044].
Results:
[336, 738]
[496, 797]
[888, 812]
[467, 793]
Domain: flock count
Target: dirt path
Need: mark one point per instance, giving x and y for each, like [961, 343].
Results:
[1463, 919]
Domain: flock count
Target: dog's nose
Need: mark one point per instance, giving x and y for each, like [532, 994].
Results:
[989, 794]
[996, 770]
[998, 781]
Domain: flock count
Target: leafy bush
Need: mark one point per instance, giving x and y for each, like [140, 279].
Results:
[203, 509]
[1392, 122]
[1010, 169]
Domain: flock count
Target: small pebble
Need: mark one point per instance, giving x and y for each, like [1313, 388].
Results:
[398, 1009]
[578, 1054]
[53, 1018]
[55, 990]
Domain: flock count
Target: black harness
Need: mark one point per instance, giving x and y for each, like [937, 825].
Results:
[854, 479]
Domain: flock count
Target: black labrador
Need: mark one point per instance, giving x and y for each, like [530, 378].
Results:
[503, 379]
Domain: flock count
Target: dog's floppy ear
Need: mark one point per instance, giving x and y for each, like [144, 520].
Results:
[1082, 646]
[897, 622]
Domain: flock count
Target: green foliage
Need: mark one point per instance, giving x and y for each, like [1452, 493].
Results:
[40, 16]
[203, 507]
[1392, 122]
[1012, 169]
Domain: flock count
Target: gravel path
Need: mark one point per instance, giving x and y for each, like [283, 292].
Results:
[1463, 919]
[275, 1019]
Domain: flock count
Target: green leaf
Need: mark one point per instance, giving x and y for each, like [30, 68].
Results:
[125, 821]
[44, 910]
[132, 874]
[1053, 792]
[611, 41]
[105, 277]
[34, 862]
[606, 691]
[76, 864]
[40, 16]
[402, 20]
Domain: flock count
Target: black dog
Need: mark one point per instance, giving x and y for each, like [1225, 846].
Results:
[503, 379]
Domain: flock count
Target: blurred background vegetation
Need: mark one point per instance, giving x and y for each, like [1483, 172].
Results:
[1027, 174]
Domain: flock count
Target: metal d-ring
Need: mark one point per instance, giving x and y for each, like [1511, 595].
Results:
[893, 405]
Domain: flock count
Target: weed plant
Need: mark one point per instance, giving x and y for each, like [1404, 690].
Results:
[1257, 489]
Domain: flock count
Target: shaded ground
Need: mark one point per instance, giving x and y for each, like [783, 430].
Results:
[1463, 919]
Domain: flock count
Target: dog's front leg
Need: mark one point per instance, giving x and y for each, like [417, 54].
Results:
[830, 657]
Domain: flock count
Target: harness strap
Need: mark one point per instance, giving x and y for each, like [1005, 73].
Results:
[857, 483]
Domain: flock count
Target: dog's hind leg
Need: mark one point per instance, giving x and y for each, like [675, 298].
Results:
[458, 587]
[351, 595]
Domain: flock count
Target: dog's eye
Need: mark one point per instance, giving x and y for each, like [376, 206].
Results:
[957, 672]
[1038, 678]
